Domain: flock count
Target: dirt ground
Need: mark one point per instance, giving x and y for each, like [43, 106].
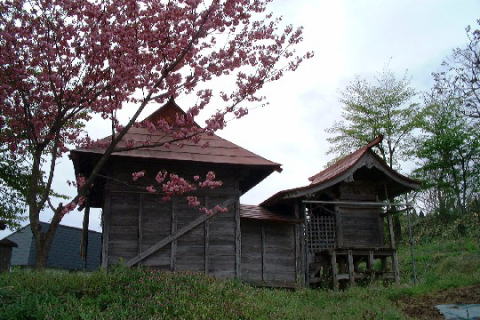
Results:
[423, 307]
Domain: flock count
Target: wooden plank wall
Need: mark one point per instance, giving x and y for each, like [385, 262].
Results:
[135, 220]
[270, 253]
[361, 227]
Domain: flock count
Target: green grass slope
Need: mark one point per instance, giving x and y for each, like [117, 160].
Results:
[138, 294]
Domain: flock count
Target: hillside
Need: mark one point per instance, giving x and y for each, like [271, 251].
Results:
[136, 294]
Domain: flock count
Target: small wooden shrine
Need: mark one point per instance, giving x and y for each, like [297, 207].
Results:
[344, 211]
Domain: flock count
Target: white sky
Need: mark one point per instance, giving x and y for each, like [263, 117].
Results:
[349, 38]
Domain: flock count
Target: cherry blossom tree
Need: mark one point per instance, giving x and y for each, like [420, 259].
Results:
[64, 61]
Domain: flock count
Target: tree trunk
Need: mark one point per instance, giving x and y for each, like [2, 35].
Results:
[43, 241]
[41, 255]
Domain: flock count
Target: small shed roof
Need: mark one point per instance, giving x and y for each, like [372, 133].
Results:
[7, 243]
[261, 213]
[218, 150]
[341, 169]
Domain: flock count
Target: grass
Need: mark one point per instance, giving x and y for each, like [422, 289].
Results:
[139, 294]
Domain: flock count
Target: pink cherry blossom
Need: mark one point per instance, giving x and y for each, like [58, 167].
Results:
[63, 62]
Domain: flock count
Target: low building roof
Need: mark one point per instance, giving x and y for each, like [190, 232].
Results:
[7, 243]
[261, 213]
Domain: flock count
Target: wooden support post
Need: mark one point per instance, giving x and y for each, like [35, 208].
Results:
[391, 232]
[333, 258]
[299, 275]
[263, 252]
[105, 228]
[370, 263]
[351, 271]
[303, 247]
[339, 228]
[207, 245]
[206, 240]
[238, 240]
[140, 226]
[173, 229]
[396, 271]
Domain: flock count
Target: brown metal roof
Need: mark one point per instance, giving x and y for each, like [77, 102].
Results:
[260, 213]
[339, 168]
[218, 150]
[344, 163]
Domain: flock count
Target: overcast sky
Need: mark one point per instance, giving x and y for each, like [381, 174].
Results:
[349, 38]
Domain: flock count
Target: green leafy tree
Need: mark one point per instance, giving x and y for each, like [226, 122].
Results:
[381, 106]
[13, 181]
[449, 153]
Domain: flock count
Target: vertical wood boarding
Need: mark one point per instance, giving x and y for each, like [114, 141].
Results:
[105, 227]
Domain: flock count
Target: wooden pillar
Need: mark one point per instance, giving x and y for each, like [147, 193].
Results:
[339, 228]
[390, 231]
[299, 270]
[173, 229]
[140, 223]
[351, 271]
[304, 247]
[333, 258]
[396, 271]
[238, 240]
[207, 245]
[263, 252]
[206, 241]
[370, 262]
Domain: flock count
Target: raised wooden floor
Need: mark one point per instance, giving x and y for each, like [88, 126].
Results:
[343, 265]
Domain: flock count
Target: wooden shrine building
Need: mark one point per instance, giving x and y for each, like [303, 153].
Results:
[294, 238]
[343, 209]
[140, 229]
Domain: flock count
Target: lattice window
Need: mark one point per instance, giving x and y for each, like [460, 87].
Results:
[320, 232]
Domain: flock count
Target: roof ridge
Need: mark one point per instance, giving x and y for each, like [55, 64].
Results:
[340, 161]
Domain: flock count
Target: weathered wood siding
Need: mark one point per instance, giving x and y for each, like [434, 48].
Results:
[358, 191]
[134, 220]
[360, 227]
[270, 253]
